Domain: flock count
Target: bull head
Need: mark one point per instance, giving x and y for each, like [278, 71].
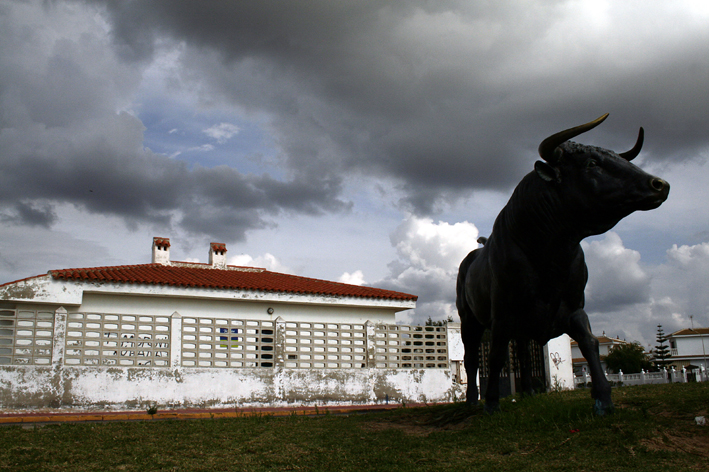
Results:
[550, 152]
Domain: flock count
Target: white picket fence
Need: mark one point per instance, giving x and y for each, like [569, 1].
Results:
[645, 378]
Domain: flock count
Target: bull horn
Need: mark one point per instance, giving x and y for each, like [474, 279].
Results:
[633, 153]
[547, 147]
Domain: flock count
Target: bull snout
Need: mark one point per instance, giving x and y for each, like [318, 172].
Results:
[660, 190]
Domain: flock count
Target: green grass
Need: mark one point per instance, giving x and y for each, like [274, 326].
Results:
[653, 429]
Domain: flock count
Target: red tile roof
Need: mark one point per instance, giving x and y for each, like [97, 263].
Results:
[690, 332]
[233, 278]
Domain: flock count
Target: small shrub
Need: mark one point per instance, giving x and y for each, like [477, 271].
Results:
[556, 385]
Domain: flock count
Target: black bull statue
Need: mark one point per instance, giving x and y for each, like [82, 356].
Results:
[527, 281]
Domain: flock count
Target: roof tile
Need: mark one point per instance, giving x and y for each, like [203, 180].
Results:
[690, 332]
[231, 278]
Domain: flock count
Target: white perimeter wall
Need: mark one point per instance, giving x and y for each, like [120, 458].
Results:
[121, 388]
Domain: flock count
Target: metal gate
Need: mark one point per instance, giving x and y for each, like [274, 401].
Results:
[511, 377]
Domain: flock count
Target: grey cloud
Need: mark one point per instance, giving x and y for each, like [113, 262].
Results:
[149, 187]
[626, 298]
[62, 141]
[224, 224]
[31, 214]
[432, 285]
[428, 257]
[56, 72]
[444, 98]
[683, 279]
[616, 278]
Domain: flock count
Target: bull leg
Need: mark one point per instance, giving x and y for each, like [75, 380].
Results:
[499, 348]
[580, 330]
[472, 333]
[525, 366]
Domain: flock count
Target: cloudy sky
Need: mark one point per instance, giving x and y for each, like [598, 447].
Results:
[362, 141]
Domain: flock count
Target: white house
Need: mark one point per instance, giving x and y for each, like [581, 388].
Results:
[189, 334]
[689, 348]
[605, 344]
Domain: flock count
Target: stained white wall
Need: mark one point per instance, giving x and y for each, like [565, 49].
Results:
[121, 388]
[559, 363]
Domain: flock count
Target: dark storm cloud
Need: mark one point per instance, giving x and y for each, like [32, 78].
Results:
[441, 97]
[143, 186]
[30, 214]
[61, 140]
[347, 99]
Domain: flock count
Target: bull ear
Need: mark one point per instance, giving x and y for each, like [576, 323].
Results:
[547, 172]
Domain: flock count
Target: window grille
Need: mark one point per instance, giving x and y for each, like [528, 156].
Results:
[99, 339]
[26, 337]
[215, 342]
[411, 347]
[325, 345]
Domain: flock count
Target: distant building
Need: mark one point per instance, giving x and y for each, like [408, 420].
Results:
[605, 344]
[689, 348]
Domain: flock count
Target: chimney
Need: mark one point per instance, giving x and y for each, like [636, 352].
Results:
[161, 251]
[217, 255]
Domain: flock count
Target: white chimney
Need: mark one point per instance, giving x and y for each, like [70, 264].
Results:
[161, 251]
[217, 255]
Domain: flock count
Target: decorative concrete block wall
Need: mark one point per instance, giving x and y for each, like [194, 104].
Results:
[90, 360]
